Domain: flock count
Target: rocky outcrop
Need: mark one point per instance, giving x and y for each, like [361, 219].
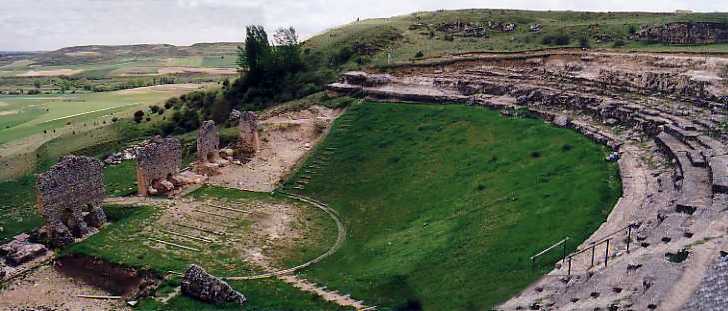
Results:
[685, 33]
[70, 194]
[200, 285]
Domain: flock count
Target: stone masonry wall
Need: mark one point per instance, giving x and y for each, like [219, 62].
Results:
[158, 160]
[248, 132]
[70, 194]
[208, 142]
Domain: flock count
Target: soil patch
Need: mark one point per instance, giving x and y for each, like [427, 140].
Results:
[115, 279]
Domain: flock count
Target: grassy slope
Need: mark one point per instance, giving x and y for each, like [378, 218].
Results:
[575, 24]
[444, 204]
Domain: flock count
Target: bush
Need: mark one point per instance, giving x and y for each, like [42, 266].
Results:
[584, 43]
[561, 39]
[419, 54]
[138, 116]
[619, 43]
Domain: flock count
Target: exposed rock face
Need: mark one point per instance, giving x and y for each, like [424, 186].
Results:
[248, 133]
[208, 142]
[655, 81]
[157, 161]
[365, 79]
[685, 33]
[69, 198]
[463, 29]
[200, 285]
[20, 250]
[2, 271]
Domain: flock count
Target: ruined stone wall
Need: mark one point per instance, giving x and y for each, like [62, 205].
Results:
[248, 132]
[685, 33]
[70, 194]
[208, 142]
[158, 160]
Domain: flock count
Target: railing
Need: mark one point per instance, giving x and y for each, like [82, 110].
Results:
[591, 249]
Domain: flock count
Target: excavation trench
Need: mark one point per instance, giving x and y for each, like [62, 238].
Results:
[114, 279]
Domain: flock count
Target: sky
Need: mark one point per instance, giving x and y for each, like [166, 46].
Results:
[53, 24]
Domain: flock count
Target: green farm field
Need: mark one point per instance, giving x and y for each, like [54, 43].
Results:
[444, 204]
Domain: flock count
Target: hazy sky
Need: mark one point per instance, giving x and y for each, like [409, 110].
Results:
[52, 24]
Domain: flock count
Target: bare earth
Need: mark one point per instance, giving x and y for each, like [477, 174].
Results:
[50, 73]
[284, 140]
[46, 287]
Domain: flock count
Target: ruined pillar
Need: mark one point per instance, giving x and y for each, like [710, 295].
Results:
[157, 162]
[248, 133]
[208, 143]
[69, 197]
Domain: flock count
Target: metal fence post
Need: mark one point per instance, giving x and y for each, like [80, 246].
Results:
[569, 273]
[629, 236]
[594, 246]
[606, 253]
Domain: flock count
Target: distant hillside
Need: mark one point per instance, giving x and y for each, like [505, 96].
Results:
[104, 53]
[435, 34]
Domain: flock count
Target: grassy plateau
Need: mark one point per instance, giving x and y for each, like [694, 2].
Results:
[444, 204]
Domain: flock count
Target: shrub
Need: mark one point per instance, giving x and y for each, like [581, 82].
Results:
[619, 43]
[138, 116]
[419, 54]
[584, 43]
[561, 39]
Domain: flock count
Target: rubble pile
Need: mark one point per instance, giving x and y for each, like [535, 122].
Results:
[200, 285]
[20, 250]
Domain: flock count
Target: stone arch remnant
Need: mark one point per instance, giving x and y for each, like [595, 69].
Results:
[69, 196]
[157, 163]
[208, 143]
[248, 133]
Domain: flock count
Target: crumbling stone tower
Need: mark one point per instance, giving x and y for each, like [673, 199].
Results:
[248, 133]
[157, 163]
[70, 194]
[208, 142]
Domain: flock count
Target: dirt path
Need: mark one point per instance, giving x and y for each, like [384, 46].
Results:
[284, 140]
[332, 296]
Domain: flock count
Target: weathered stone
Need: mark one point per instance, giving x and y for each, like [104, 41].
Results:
[208, 142]
[68, 191]
[20, 250]
[158, 160]
[235, 115]
[685, 33]
[198, 284]
[248, 133]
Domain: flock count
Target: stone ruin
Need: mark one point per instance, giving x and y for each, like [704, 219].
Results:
[199, 284]
[685, 33]
[70, 194]
[208, 143]
[248, 133]
[157, 164]
[20, 250]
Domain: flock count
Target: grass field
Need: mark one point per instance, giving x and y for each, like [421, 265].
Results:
[122, 242]
[444, 204]
[398, 36]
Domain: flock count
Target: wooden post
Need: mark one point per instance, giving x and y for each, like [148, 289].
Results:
[563, 253]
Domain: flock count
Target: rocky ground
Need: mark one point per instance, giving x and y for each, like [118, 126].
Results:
[285, 138]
